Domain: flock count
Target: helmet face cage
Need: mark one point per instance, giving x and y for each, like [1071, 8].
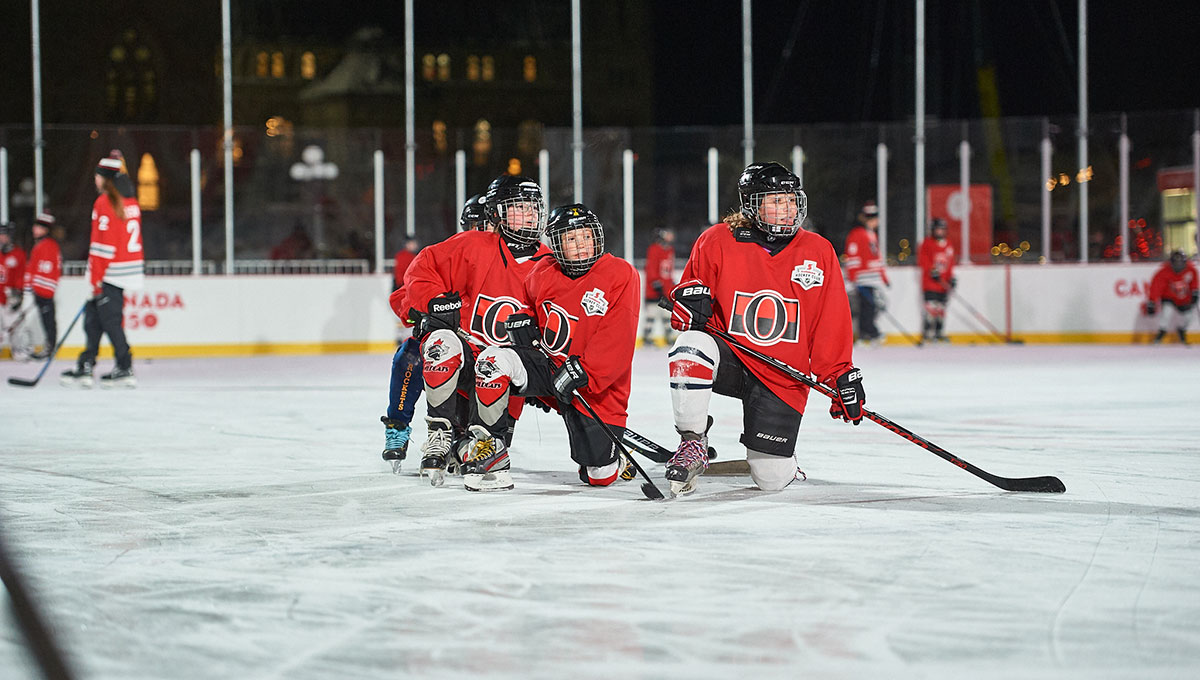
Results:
[569, 226]
[1178, 261]
[517, 198]
[752, 208]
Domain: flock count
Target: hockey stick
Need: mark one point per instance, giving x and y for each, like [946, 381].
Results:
[983, 320]
[649, 489]
[1039, 484]
[45, 649]
[911, 338]
[651, 450]
[20, 382]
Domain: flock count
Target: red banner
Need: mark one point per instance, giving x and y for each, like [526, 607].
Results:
[945, 201]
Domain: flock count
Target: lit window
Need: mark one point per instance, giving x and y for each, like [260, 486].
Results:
[277, 69]
[147, 176]
[473, 67]
[439, 135]
[530, 68]
[489, 68]
[308, 66]
[443, 67]
[483, 141]
[262, 65]
[428, 64]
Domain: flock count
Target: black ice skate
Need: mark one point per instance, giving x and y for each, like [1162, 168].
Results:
[1182, 336]
[119, 376]
[486, 465]
[395, 444]
[689, 460]
[436, 450]
[80, 376]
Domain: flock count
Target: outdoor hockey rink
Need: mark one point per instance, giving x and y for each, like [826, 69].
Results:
[232, 518]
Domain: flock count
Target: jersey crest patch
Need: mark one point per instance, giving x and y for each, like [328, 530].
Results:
[765, 317]
[593, 303]
[808, 275]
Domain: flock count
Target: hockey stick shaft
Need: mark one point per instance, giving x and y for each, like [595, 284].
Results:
[1039, 484]
[53, 353]
[982, 319]
[911, 338]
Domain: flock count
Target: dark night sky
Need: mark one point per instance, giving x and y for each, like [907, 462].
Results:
[814, 60]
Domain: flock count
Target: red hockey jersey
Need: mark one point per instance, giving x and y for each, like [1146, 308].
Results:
[936, 256]
[594, 317]
[660, 267]
[115, 253]
[478, 266]
[864, 265]
[791, 305]
[1178, 288]
[45, 268]
[12, 271]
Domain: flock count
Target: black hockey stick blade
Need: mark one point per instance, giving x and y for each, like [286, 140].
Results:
[19, 382]
[644, 446]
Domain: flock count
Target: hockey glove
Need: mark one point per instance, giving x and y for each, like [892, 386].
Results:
[693, 306]
[522, 330]
[1151, 307]
[953, 283]
[16, 296]
[1192, 303]
[936, 276]
[657, 287]
[443, 312]
[850, 397]
[568, 378]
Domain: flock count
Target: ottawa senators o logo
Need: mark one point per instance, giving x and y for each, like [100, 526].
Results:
[556, 331]
[487, 321]
[765, 317]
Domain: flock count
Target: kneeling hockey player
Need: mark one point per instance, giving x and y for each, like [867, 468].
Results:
[584, 314]
[775, 288]
[462, 290]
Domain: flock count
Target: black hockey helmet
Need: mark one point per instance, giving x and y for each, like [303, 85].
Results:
[564, 223]
[1178, 260]
[7, 229]
[474, 214]
[760, 180]
[511, 197]
[939, 223]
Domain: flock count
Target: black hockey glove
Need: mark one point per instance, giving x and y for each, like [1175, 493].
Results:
[936, 276]
[568, 378]
[522, 330]
[953, 283]
[1188, 307]
[693, 306]
[657, 287]
[850, 397]
[17, 294]
[1151, 308]
[443, 312]
[538, 403]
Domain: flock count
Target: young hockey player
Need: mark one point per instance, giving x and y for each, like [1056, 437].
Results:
[12, 281]
[462, 290]
[936, 259]
[406, 382]
[584, 306]
[660, 279]
[1174, 288]
[114, 265]
[41, 278]
[864, 269]
[775, 288]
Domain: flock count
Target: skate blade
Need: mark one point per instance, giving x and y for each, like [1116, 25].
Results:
[437, 476]
[683, 488]
[123, 382]
[395, 466]
[490, 481]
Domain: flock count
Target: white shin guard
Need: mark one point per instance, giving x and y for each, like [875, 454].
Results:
[771, 473]
[693, 359]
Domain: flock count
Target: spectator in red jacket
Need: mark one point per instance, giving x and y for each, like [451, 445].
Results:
[1174, 289]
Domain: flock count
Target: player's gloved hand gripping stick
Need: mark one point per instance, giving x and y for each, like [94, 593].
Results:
[1047, 484]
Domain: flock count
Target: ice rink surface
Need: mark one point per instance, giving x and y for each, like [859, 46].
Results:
[232, 518]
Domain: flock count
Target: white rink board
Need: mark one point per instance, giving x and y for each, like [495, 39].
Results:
[231, 518]
[197, 316]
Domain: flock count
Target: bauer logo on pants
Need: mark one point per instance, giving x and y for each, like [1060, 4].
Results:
[765, 317]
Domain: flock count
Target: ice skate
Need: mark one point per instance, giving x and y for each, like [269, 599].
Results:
[395, 442]
[1159, 338]
[690, 459]
[119, 376]
[1182, 336]
[436, 450]
[486, 466]
[80, 376]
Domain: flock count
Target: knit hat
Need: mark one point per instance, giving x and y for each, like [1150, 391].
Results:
[108, 167]
[870, 209]
[45, 219]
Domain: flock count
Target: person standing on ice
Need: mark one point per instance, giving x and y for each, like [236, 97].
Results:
[584, 313]
[1174, 289]
[936, 257]
[406, 383]
[660, 278]
[775, 288]
[460, 291]
[864, 268]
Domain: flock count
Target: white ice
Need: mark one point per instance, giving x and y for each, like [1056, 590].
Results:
[232, 518]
